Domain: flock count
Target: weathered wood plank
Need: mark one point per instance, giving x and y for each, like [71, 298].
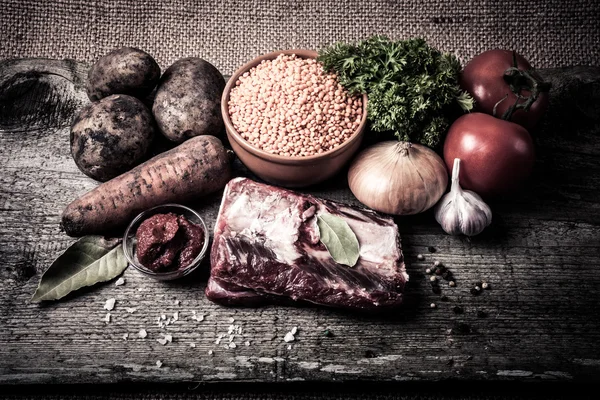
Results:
[541, 256]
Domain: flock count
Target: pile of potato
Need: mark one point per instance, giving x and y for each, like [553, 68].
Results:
[114, 133]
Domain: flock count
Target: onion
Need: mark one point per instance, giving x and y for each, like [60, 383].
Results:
[398, 177]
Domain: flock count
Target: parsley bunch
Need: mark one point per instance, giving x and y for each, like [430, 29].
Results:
[412, 88]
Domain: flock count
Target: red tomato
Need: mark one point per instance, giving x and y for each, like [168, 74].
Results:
[483, 78]
[496, 155]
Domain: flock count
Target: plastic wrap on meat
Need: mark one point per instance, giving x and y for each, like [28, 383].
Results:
[266, 249]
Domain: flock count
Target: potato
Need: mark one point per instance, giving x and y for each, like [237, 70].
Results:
[188, 100]
[126, 70]
[111, 136]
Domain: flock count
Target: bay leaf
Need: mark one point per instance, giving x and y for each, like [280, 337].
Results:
[339, 239]
[90, 260]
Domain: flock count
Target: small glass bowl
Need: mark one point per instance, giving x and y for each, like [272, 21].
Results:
[130, 241]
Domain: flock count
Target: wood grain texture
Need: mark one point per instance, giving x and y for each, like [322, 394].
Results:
[540, 256]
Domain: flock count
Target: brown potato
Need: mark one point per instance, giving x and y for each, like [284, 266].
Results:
[188, 100]
[111, 136]
[126, 70]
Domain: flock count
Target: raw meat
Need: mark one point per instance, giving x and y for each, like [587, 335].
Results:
[266, 249]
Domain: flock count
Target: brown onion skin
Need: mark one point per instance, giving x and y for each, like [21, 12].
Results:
[483, 79]
[398, 178]
[497, 156]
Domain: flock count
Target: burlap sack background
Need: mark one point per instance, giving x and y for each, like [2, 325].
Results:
[229, 33]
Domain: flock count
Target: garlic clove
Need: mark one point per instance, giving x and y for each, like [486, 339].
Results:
[462, 211]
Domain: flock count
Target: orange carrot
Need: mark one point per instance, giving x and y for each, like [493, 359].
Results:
[197, 167]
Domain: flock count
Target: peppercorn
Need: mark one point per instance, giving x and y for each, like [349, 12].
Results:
[462, 328]
[436, 289]
[481, 314]
[432, 279]
[431, 249]
[474, 292]
[428, 271]
[437, 264]
[457, 310]
[485, 285]
[447, 275]
[451, 283]
[370, 354]
[327, 333]
[444, 298]
[420, 257]
[432, 305]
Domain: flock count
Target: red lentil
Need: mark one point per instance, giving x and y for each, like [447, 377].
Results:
[290, 106]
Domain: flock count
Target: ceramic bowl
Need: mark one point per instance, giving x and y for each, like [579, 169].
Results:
[281, 170]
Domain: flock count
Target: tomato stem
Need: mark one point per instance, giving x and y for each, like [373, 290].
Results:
[519, 80]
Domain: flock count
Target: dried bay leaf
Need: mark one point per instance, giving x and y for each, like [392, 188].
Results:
[90, 260]
[339, 239]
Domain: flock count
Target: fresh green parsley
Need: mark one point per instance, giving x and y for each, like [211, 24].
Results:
[412, 88]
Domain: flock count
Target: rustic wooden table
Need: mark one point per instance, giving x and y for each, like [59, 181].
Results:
[541, 257]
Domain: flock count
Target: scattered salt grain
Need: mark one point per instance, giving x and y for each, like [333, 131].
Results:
[210, 352]
[125, 336]
[231, 337]
[218, 341]
[177, 302]
[192, 344]
[165, 340]
[159, 364]
[289, 346]
[142, 333]
[107, 318]
[247, 343]
[198, 318]
[130, 310]
[120, 282]
[175, 316]
[294, 330]
[231, 320]
[289, 337]
[110, 304]
[232, 345]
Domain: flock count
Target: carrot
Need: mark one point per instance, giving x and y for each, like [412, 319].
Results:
[197, 167]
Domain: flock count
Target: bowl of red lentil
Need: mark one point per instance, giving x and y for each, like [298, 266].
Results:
[291, 122]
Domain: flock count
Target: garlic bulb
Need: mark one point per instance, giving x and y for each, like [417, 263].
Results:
[462, 211]
[398, 177]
